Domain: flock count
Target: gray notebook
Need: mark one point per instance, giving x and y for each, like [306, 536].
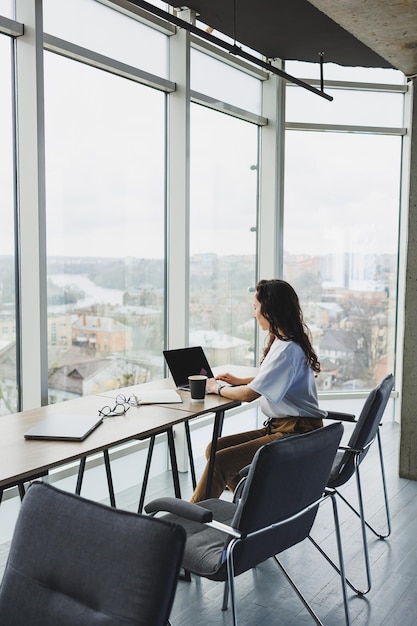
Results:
[65, 427]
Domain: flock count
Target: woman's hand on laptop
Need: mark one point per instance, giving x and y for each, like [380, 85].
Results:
[233, 380]
[211, 385]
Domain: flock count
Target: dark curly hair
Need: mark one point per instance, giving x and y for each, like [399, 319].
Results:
[281, 307]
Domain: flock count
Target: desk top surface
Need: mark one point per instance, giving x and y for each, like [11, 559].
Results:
[20, 458]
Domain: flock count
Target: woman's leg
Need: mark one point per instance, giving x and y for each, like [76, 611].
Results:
[236, 451]
[233, 453]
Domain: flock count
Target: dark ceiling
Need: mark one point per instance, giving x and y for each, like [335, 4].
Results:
[290, 30]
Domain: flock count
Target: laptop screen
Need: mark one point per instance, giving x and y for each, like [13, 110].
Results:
[185, 362]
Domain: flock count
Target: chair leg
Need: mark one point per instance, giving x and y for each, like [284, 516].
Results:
[298, 592]
[361, 515]
[231, 580]
[225, 596]
[341, 559]
[384, 487]
[364, 524]
[341, 569]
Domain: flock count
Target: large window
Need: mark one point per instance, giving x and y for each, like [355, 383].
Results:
[342, 193]
[98, 27]
[8, 385]
[105, 229]
[223, 218]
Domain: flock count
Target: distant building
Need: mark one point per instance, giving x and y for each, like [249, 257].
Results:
[100, 334]
[220, 349]
[338, 345]
[94, 376]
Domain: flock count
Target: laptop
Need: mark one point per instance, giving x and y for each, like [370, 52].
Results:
[65, 427]
[185, 362]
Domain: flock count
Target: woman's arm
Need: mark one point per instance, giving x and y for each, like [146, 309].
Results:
[241, 392]
[234, 380]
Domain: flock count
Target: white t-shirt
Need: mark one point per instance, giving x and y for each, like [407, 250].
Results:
[286, 383]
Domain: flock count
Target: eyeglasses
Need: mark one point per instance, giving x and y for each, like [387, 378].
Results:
[131, 400]
[118, 409]
[121, 407]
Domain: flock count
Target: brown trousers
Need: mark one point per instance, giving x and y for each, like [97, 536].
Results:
[236, 451]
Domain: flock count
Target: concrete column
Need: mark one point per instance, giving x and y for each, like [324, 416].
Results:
[408, 446]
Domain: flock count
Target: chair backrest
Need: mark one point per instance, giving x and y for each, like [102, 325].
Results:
[75, 562]
[285, 477]
[364, 432]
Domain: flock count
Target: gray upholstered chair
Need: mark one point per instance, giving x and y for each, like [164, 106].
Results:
[283, 490]
[74, 562]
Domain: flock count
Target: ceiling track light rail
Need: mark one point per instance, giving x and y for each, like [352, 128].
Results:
[234, 49]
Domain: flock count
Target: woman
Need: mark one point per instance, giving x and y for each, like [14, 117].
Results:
[285, 383]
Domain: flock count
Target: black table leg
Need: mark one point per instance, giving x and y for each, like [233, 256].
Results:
[174, 466]
[146, 474]
[109, 478]
[190, 454]
[80, 477]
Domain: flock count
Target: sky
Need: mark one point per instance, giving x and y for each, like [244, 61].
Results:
[105, 167]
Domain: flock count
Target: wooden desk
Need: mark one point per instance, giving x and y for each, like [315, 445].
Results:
[21, 459]
[192, 408]
[212, 404]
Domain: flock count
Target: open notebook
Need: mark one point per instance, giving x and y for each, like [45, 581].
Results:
[159, 396]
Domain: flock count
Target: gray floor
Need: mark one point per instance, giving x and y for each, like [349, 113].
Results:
[263, 595]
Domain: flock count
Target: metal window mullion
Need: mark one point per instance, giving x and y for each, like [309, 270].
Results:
[31, 219]
[100, 61]
[178, 210]
[228, 109]
[11, 27]
[178, 193]
[271, 179]
[346, 128]
[271, 186]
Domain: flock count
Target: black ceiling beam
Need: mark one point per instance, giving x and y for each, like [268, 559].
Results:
[231, 48]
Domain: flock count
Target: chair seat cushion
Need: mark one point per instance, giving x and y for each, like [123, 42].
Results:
[205, 547]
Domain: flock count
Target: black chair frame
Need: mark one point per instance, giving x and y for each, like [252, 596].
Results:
[357, 454]
[229, 585]
[245, 537]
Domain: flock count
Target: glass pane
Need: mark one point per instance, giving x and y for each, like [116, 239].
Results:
[340, 249]
[8, 381]
[105, 229]
[224, 82]
[7, 8]
[358, 108]
[97, 27]
[222, 240]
